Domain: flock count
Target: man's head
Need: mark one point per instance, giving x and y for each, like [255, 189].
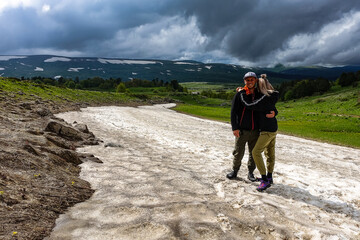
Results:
[250, 80]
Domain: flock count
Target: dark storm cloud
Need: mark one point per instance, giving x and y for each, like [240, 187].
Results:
[253, 29]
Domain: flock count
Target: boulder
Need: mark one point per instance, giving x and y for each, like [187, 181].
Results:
[66, 132]
[82, 128]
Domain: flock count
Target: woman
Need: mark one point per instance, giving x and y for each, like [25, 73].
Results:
[268, 129]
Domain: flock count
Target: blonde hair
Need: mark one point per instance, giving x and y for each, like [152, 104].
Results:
[264, 85]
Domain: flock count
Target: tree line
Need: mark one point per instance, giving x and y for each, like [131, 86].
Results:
[307, 87]
[112, 84]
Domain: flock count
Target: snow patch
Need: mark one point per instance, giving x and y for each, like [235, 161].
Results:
[57, 77]
[7, 58]
[74, 69]
[134, 73]
[208, 67]
[58, 59]
[38, 69]
[117, 61]
[2, 69]
[190, 70]
[186, 63]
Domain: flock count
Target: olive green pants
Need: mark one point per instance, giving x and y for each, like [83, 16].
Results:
[249, 137]
[266, 144]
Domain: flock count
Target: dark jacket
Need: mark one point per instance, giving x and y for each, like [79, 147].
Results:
[243, 118]
[263, 105]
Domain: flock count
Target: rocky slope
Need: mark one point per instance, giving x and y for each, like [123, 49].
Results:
[38, 165]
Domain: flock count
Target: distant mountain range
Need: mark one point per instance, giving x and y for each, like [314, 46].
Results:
[183, 71]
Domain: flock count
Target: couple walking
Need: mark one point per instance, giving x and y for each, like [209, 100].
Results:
[253, 122]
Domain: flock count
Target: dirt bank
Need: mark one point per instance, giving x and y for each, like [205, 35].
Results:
[38, 166]
[163, 177]
[39, 172]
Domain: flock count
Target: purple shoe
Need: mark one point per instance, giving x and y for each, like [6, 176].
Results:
[263, 185]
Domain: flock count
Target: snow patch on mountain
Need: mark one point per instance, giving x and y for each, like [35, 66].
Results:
[186, 63]
[74, 69]
[58, 59]
[7, 58]
[116, 61]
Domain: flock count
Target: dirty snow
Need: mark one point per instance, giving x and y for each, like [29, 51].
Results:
[166, 180]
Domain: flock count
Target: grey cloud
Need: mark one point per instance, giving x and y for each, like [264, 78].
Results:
[252, 30]
[78, 27]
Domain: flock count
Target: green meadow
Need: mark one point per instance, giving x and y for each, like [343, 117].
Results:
[333, 117]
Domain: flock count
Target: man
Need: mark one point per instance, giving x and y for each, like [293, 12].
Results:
[244, 126]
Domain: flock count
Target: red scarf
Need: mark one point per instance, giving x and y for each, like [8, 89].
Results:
[247, 90]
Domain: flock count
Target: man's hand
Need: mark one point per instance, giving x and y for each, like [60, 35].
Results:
[236, 133]
[271, 114]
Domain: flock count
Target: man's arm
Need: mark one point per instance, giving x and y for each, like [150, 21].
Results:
[234, 113]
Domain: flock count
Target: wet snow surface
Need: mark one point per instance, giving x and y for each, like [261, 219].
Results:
[163, 177]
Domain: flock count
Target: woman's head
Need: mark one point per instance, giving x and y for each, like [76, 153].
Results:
[264, 85]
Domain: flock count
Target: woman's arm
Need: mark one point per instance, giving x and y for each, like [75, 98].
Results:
[264, 103]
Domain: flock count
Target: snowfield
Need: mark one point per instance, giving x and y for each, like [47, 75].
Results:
[163, 177]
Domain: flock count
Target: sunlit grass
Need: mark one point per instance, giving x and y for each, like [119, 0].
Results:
[333, 117]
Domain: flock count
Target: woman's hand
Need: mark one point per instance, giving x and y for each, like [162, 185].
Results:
[271, 114]
[238, 89]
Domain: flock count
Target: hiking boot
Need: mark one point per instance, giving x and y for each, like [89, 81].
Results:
[251, 177]
[270, 180]
[232, 175]
[263, 185]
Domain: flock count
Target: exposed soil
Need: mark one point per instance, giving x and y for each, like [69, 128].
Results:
[39, 167]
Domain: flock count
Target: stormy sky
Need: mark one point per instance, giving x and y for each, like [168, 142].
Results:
[245, 32]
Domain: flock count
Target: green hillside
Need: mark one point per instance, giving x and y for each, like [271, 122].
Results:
[25, 90]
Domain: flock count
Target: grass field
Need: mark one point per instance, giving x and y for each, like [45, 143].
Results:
[333, 117]
[199, 86]
[48, 92]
